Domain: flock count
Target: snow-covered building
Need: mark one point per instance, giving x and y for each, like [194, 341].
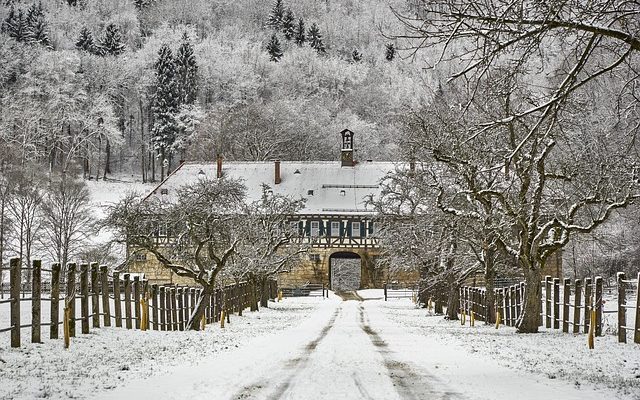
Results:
[336, 220]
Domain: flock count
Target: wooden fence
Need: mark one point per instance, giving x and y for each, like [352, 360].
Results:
[106, 299]
[565, 305]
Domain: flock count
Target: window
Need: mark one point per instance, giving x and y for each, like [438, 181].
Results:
[342, 193]
[141, 257]
[315, 228]
[162, 229]
[314, 257]
[355, 229]
[293, 228]
[164, 191]
[335, 228]
[310, 192]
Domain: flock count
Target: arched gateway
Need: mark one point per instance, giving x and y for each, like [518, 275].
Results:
[345, 271]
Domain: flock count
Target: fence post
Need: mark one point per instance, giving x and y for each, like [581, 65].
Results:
[556, 303]
[161, 309]
[587, 304]
[622, 317]
[36, 296]
[507, 307]
[566, 299]
[180, 296]
[15, 278]
[192, 303]
[136, 300]
[117, 301]
[71, 298]
[514, 304]
[174, 309]
[154, 310]
[95, 295]
[106, 308]
[385, 293]
[597, 303]
[185, 311]
[577, 305]
[167, 307]
[84, 297]
[518, 300]
[636, 332]
[547, 301]
[127, 300]
[55, 300]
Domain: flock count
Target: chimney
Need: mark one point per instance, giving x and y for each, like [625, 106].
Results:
[219, 170]
[277, 178]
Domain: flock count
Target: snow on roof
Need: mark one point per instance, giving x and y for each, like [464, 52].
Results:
[328, 187]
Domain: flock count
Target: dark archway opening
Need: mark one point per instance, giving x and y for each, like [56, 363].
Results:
[345, 271]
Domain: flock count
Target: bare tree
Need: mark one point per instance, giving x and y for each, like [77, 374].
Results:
[194, 235]
[67, 219]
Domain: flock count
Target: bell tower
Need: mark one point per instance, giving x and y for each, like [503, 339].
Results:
[347, 148]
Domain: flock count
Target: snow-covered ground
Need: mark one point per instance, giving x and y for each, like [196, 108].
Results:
[390, 350]
[111, 357]
[318, 348]
[550, 356]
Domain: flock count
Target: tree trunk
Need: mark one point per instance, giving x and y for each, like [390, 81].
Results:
[489, 277]
[264, 293]
[107, 161]
[254, 299]
[453, 300]
[529, 321]
[201, 304]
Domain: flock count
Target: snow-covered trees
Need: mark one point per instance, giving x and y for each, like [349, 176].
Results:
[274, 49]
[173, 101]
[276, 15]
[288, 25]
[30, 27]
[315, 39]
[203, 226]
[300, 35]
[86, 43]
[111, 42]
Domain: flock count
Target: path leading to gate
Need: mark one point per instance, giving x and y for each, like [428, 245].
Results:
[348, 350]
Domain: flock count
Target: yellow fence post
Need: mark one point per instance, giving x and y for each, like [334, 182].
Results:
[463, 317]
[592, 329]
[472, 319]
[279, 295]
[65, 327]
[222, 319]
[497, 319]
[203, 322]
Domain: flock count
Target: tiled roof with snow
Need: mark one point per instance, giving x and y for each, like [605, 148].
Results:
[328, 187]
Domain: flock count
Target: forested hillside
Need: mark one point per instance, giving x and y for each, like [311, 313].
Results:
[92, 91]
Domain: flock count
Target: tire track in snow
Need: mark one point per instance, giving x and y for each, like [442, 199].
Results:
[296, 365]
[409, 383]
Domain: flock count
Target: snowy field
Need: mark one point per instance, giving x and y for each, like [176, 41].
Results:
[551, 355]
[110, 357]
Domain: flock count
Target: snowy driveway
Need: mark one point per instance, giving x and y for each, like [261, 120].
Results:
[348, 350]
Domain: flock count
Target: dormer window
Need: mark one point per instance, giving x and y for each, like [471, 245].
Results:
[342, 193]
[310, 192]
[296, 172]
[164, 191]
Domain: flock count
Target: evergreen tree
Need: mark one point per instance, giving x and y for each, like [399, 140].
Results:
[390, 52]
[315, 39]
[111, 43]
[85, 41]
[141, 4]
[165, 103]
[276, 15]
[186, 72]
[288, 25]
[36, 26]
[356, 56]
[300, 35]
[273, 48]
[72, 3]
[15, 25]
